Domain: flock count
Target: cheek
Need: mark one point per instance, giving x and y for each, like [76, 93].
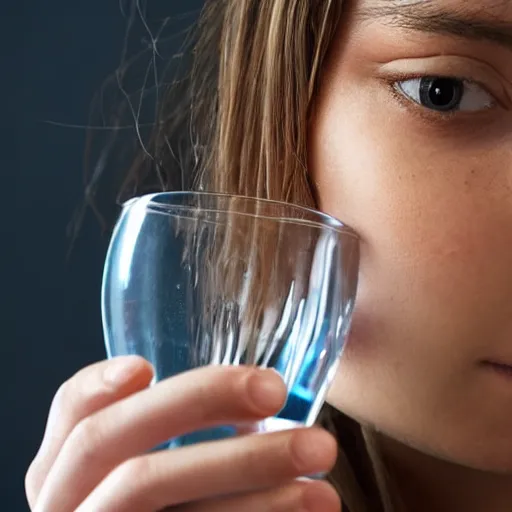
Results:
[435, 294]
[436, 225]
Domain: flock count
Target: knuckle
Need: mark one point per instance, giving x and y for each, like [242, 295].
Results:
[134, 474]
[130, 471]
[65, 396]
[83, 391]
[86, 439]
[69, 398]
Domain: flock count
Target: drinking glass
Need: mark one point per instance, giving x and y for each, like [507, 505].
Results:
[194, 279]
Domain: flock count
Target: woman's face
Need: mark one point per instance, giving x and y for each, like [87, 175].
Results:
[421, 167]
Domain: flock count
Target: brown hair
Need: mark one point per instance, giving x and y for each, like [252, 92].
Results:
[238, 121]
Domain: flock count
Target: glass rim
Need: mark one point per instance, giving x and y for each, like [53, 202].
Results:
[323, 220]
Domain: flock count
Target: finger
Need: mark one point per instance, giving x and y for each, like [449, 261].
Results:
[195, 473]
[188, 402]
[294, 497]
[91, 389]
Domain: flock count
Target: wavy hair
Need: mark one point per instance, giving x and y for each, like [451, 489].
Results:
[233, 119]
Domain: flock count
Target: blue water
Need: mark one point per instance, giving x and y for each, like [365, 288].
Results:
[294, 413]
[297, 406]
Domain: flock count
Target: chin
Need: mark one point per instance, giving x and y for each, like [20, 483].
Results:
[489, 453]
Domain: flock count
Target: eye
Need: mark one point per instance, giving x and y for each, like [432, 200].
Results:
[446, 94]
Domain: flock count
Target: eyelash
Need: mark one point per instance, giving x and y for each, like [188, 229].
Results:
[424, 112]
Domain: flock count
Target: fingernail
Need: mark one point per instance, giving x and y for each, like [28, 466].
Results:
[321, 496]
[267, 390]
[121, 370]
[314, 451]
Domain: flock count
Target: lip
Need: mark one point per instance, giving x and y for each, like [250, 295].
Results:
[500, 367]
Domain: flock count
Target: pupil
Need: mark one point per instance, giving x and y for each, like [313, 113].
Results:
[441, 93]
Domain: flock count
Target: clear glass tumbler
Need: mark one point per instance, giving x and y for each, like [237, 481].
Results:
[194, 279]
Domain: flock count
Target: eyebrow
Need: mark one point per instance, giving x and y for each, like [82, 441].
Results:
[423, 16]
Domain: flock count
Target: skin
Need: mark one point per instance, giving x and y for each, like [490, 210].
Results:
[103, 421]
[431, 196]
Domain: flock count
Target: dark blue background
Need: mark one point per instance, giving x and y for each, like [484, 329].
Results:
[54, 57]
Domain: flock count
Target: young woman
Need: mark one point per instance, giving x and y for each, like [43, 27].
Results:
[396, 117]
